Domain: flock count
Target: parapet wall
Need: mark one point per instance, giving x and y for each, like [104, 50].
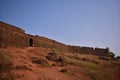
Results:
[9, 27]
[89, 50]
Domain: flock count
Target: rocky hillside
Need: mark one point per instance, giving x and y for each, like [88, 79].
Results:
[33, 63]
[31, 57]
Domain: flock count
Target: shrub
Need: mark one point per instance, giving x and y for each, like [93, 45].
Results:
[98, 75]
[96, 62]
[104, 58]
[22, 67]
[52, 56]
[40, 61]
[5, 62]
[63, 70]
[9, 77]
[85, 59]
[76, 57]
[118, 57]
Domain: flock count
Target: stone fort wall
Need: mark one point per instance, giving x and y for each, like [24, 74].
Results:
[89, 50]
[13, 36]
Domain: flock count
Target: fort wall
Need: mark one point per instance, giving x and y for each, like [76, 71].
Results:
[13, 36]
[89, 50]
[9, 27]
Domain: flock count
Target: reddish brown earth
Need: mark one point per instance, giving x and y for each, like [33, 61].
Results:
[24, 69]
[30, 71]
[116, 72]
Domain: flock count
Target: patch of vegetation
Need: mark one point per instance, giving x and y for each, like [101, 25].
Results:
[96, 62]
[88, 65]
[112, 55]
[54, 50]
[22, 67]
[9, 77]
[95, 71]
[94, 67]
[52, 56]
[5, 62]
[70, 61]
[76, 57]
[40, 61]
[46, 64]
[118, 57]
[97, 74]
[104, 58]
[63, 70]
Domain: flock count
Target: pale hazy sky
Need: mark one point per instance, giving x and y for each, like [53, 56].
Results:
[94, 23]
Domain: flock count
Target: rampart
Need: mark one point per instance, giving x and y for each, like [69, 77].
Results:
[89, 50]
[13, 36]
[9, 27]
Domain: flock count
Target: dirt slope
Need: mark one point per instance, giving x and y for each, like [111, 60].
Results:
[24, 69]
[30, 64]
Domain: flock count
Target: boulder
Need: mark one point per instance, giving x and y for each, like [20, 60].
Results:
[40, 61]
[52, 57]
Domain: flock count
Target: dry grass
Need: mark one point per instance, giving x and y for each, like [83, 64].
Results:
[94, 67]
[33, 59]
[9, 77]
[5, 62]
[6, 65]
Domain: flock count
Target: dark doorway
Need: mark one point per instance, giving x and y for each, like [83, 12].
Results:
[30, 42]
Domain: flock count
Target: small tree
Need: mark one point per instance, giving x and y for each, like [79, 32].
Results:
[118, 57]
[111, 54]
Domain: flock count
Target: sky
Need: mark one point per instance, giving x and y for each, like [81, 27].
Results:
[92, 23]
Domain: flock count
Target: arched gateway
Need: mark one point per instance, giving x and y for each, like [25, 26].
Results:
[31, 42]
